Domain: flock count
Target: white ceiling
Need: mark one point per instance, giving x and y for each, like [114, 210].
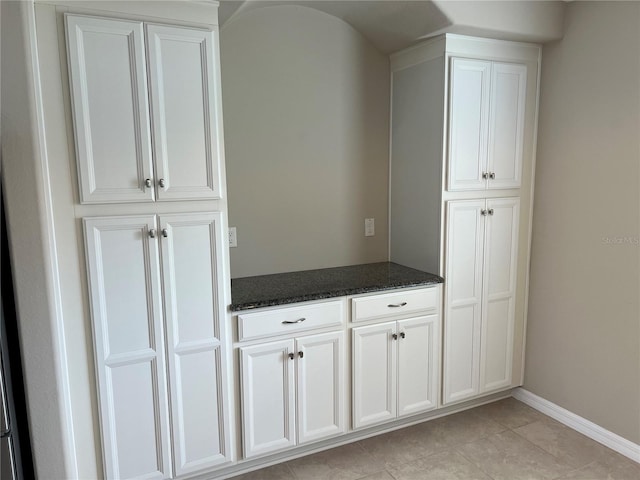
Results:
[392, 25]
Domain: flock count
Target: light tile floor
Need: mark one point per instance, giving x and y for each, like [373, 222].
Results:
[505, 440]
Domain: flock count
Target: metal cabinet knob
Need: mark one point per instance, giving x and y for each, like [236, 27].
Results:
[301, 354]
[483, 212]
[402, 335]
[485, 175]
[152, 233]
[291, 355]
[162, 183]
[165, 233]
[490, 212]
[394, 336]
[492, 176]
[148, 183]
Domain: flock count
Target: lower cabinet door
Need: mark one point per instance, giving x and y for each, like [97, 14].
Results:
[268, 402]
[499, 292]
[191, 246]
[463, 299]
[418, 364]
[126, 314]
[320, 380]
[374, 374]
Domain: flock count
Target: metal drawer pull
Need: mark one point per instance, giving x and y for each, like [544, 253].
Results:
[396, 305]
[289, 322]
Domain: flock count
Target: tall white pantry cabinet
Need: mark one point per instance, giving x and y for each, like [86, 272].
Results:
[146, 109]
[464, 113]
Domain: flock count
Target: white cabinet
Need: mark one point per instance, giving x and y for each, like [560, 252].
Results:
[147, 122]
[158, 339]
[482, 244]
[396, 365]
[486, 124]
[292, 392]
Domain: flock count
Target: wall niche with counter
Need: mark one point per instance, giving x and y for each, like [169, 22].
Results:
[306, 105]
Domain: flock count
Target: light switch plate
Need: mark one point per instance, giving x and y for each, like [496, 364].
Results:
[369, 227]
[233, 237]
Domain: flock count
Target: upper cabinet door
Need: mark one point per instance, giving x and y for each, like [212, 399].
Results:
[191, 247]
[506, 125]
[126, 310]
[186, 112]
[110, 109]
[468, 123]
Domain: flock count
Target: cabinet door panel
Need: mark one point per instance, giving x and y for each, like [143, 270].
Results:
[268, 389]
[418, 365]
[463, 298]
[126, 311]
[374, 374]
[506, 127]
[184, 81]
[191, 264]
[468, 123]
[320, 386]
[500, 264]
[110, 109]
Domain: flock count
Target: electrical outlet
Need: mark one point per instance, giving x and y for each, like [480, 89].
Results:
[233, 237]
[369, 227]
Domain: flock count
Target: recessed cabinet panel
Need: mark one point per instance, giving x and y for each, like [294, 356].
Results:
[468, 123]
[110, 109]
[506, 131]
[464, 252]
[374, 374]
[135, 409]
[124, 299]
[191, 260]
[417, 361]
[126, 310]
[184, 84]
[320, 379]
[268, 397]
[200, 436]
[462, 348]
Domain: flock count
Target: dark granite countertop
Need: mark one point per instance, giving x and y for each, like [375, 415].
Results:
[283, 288]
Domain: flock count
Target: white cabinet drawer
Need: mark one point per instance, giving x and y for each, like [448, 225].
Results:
[289, 320]
[393, 304]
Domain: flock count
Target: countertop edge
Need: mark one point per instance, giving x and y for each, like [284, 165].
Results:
[239, 307]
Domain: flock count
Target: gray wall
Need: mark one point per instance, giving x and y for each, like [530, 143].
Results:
[306, 113]
[583, 339]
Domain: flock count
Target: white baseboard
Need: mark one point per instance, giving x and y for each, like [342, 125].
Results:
[580, 424]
